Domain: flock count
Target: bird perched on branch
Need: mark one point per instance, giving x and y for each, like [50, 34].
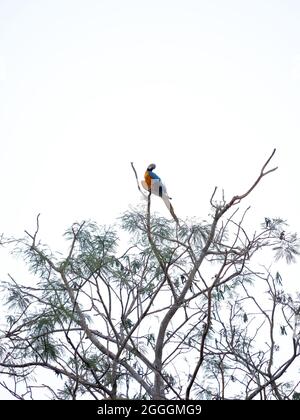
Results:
[149, 175]
[153, 184]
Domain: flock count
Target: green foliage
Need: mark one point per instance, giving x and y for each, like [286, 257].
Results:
[94, 249]
[94, 361]
[288, 248]
[128, 323]
[45, 349]
[16, 299]
[283, 330]
[150, 339]
[278, 278]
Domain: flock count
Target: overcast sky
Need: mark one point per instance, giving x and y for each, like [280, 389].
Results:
[204, 88]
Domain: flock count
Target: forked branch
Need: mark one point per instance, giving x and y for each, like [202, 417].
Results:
[237, 198]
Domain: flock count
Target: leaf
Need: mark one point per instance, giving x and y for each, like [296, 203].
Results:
[283, 330]
[296, 396]
[278, 278]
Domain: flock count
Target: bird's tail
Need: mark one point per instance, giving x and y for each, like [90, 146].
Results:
[170, 207]
[173, 214]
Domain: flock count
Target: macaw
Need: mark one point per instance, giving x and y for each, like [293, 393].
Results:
[149, 176]
[153, 184]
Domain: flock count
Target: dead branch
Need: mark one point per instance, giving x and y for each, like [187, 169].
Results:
[237, 198]
[137, 180]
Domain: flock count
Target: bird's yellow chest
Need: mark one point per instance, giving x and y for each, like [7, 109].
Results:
[147, 178]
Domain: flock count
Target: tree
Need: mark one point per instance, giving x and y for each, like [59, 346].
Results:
[184, 311]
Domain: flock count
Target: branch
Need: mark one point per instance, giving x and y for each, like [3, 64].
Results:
[137, 180]
[156, 252]
[205, 331]
[279, 373]
[91, 336]
[237, 198]
[33, 237]
[55, 369]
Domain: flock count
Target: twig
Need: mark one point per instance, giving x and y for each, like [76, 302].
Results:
[137, 180]
[33, 237]
[237, 198]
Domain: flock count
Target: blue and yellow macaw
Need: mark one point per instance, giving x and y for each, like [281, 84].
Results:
[153, 183]
[149, 175]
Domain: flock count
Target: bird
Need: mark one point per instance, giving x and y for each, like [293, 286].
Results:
[282, 235]
[149, 175]
[153, 183]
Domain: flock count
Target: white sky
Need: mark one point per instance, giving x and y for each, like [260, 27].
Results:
[205, 89]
